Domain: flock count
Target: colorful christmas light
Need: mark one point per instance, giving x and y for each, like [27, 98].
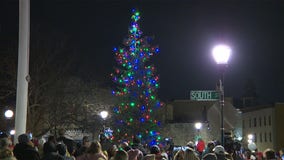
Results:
[137, 83]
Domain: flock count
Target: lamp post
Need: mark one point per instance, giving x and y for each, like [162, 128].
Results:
[198, 126]
[221, 54]
[104, 115]
[9, 115]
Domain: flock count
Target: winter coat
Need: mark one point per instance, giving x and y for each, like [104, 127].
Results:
[24, 151]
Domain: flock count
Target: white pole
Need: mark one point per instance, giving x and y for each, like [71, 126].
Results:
[23, 68]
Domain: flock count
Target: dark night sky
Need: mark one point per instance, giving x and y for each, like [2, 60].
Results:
[185, 30]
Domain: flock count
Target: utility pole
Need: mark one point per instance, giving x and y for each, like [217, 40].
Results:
[23, 68]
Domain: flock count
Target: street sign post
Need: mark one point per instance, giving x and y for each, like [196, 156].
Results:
[204, 95]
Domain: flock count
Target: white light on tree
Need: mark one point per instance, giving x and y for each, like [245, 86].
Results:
[9, 113]
[221, 54]
[198, 125]
[104, 114]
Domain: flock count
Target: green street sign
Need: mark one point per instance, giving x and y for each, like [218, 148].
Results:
[204, 95]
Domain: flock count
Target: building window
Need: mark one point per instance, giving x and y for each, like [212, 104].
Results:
[259, 121]
[260, 137]
[249, 123]
[265, 138]
[264, 121]
[270, 137]
[254, 122]
[269, 120]
[255, 137]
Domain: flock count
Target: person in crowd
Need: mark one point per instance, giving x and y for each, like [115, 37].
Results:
[104, 141]
[209, 156]
[189, 154]
[5, 135]
[133, 154]
[200, 146]
[112, 151]
[220, 152]
[71, 144]
[179, 155]
[50, 139]
[61, 148]
[281, 153]
[248, 154]
[25, 150]
[164, 152]
[50, 152]
[83, 148]
[120, 155]
[94, 152]
[209, 148]
[155, 150]
[149, 157]
[137, 145]
[191, 145]
[258, 154]
[169, 148]
[5, 152]
[269, 154]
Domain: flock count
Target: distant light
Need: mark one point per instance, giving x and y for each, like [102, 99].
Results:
[250, 136]
[12, 132]
[239, 138]
[9, 113]
[249, 141]
[104, 114]
[198, 125]
[221, 54]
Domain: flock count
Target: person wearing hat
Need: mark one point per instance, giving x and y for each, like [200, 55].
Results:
[155, 153]
[25, 150]
[209, 148]
[220, 152]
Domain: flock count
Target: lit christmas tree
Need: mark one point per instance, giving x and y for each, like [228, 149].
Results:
[136, 83]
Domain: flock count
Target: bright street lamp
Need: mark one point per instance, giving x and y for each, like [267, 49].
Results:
[198, 125]
[221, 54]
[104, 114]
[9, 114]
[12, 132]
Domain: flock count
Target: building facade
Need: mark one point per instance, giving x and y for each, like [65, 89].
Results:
[180, 116]
[264, 124]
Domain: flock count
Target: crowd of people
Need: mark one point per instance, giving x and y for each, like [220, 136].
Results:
[63, 148]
